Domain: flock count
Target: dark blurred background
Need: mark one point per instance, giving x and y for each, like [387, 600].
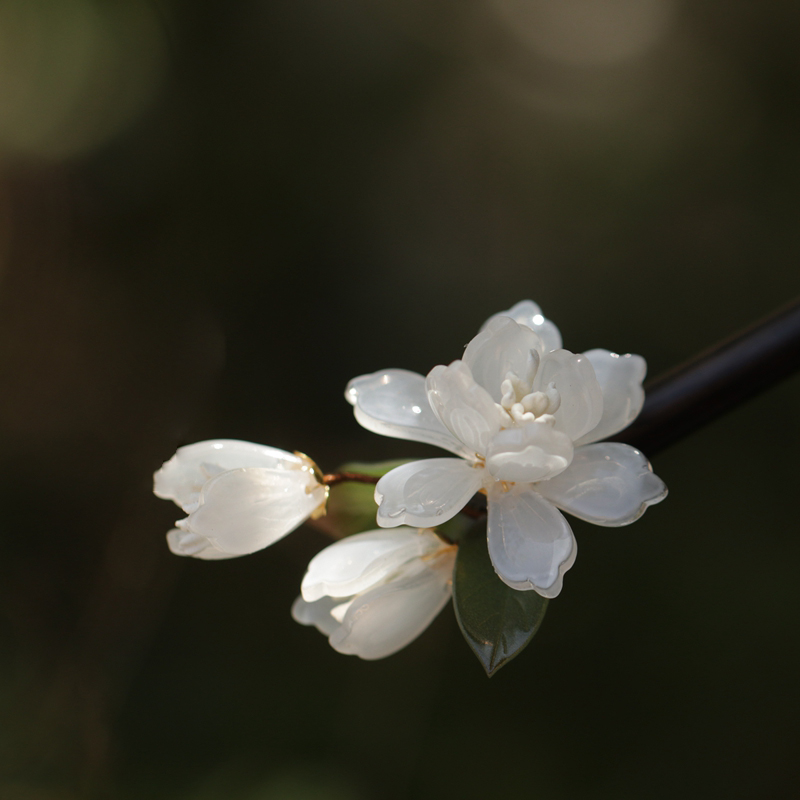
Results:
[213, 215]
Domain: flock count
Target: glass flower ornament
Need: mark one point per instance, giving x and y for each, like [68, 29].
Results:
[240, 497]
[524, 418]
[373, 593]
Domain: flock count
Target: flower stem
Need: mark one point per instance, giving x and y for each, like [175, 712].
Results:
[333, 478]
[716, 381]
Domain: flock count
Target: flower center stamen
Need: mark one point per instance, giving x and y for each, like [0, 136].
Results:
[520, 405]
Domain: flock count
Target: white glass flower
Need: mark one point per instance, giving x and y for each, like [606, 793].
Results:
[524, 417]
[240, 497]
[375, 592]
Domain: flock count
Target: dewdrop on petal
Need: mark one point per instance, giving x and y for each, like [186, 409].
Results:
[240, 497]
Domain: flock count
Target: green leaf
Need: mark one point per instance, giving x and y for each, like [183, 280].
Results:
[351, 505]
[497, 621]
[455, 529]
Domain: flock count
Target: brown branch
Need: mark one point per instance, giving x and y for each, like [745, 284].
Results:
[334, 478]
[716, 381]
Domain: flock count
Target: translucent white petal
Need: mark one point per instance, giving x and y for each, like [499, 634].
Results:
[620, 379]
[503, 346]
[182, 477]
[244, 510]
[359, 562]
[426, 493]
[465, 408]
[394, 402]
[529, 314]
[608, 484]
[581, 398]
[186, 543]
[384, 620]
[338, 612]
[530, 543]
[317, 614]
[528, 453]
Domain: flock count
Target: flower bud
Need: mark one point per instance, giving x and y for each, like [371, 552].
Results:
[240, 497]
[375, 592]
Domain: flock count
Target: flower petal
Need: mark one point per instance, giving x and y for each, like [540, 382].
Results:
[581, 398]
[532, 452]
[384, 620]
[244, 510]
[529, 314]
[502, 346]
[620, 379]
[317, 614]
[357, 563]
[530, 543]
[182, 477]
[465, 408]
[426, 493]
[608, 484]
[186, 543]
[394, 402]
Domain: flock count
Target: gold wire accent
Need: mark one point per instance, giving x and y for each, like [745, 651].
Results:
[312, 465]
[309, 464]
[322, 509]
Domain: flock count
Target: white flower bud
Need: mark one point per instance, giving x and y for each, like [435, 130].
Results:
[375, 592]
[240, 497]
